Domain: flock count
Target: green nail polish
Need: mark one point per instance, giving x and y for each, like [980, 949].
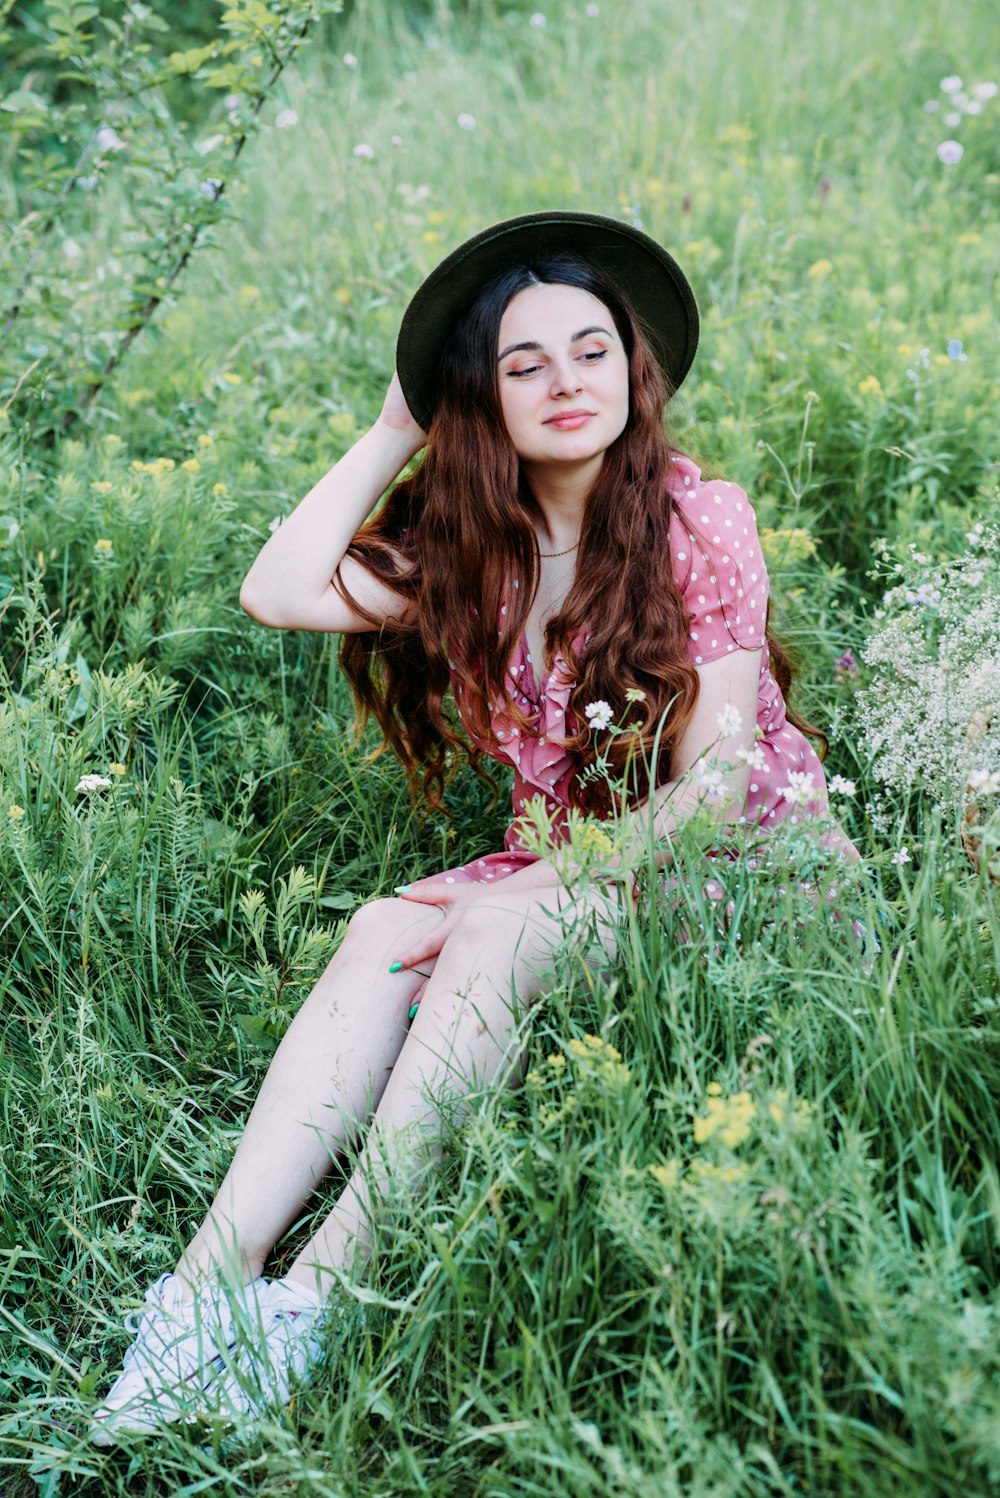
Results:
[413, 1010]
[401, 889]
[395, 967]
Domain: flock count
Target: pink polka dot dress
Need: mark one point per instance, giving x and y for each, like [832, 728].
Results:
[720, 569]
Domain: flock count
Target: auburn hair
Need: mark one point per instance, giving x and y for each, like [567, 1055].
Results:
[454, 534]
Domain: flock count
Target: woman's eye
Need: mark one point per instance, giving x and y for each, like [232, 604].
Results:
[528, 369]
[592, 355]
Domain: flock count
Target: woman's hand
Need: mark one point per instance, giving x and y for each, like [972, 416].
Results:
[451, 900]
[395, 415]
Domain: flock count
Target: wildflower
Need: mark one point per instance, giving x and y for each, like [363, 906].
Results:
[845, 665]
[635, 694]
[90, 783]
[953, 119]
[396, 140]
[104, 546]
[108, 139]
[932, 106]
[465, 121]
[231, 378]
[286, 119]
[709, 779]
[950, 151]
[598, 715]
[205, 439]
[72, 250]
[901, 856]
[870, 386]
[986, 782]
[349, 60]
[983, 91]
[819, 269]
[593, 10]
[556, 1062]
[364, 151]
[753, 757]
[219, 490]
[537, 20]
[116, 769]
[15, 812]
[952, 84]
[954, 350]
[667, 1175]
[211, 187]
[101, 486]
[729, 721]
[799, 789]
[190, 465]
[841, 787]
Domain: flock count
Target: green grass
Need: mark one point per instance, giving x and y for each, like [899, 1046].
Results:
[591, 1295]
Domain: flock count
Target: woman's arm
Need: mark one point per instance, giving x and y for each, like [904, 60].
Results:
[290, 585]
[733, 681]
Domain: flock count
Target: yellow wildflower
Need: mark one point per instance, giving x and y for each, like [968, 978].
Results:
[15, 812]
[556, 1061]
[248, 293]
[870, 386]
[342, 296]
[116, 769]
[819, 269]
[205, 439]
[231, 378]
[101, 486]
[104, 546]
[668, 1175]
[431, 236]
[220, 489]
[190, 465]
[970, 238]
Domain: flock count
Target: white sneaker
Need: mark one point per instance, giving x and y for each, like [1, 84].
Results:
[287, 1338]
[178, 1353]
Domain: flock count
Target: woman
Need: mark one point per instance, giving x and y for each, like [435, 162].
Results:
[550, 556]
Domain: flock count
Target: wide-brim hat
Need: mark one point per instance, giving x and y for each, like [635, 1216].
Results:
[650, 278]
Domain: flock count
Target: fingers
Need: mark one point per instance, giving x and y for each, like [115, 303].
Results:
[426, 949]
[427, 892]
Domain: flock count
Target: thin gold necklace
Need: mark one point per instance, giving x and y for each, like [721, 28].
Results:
[547, 555]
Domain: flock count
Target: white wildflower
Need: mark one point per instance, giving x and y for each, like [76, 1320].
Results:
[841, 787]
[108, 139]
[364, 151]
[729, 721]
[753, 757]
[598, 715]
[984, 782]
[709, 779]
[285, 119]
[950, 151]
[799, 790]
[901, 856]
[952, 84]
[90, 783]
[465, 121]
[349, 60]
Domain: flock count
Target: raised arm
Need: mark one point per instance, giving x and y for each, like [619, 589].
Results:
[290, 585]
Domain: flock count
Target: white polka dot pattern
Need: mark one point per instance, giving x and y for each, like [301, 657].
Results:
[719, 564]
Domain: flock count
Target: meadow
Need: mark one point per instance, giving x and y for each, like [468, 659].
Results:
[738, 1235]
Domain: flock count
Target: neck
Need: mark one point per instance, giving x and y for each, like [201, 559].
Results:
[560, 492]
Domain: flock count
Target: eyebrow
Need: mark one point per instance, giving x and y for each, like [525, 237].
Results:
[535, 347]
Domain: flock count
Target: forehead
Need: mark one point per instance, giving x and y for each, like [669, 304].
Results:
[552, 312]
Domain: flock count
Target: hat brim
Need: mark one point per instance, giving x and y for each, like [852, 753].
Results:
[650, 278]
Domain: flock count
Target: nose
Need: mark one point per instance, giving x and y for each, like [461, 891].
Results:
[565, 378]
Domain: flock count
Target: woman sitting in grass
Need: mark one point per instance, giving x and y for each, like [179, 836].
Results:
[557, 565]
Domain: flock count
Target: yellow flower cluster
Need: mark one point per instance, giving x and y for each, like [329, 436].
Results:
[728, 1119]
[791, 543]
[158, 467]
[869, 386]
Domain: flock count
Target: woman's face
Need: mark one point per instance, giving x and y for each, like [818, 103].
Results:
[563, 375]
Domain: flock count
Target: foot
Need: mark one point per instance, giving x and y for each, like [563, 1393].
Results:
[179, 1352]
[287, 1339]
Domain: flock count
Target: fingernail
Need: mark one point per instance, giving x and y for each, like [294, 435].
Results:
[401, 889]
[395, 967]
[414, 1008]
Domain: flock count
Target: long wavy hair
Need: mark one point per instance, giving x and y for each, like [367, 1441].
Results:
[453, 535]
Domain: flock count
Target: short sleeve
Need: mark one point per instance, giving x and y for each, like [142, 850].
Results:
[720, 569]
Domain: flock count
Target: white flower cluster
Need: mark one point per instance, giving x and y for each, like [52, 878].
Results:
[930, 718]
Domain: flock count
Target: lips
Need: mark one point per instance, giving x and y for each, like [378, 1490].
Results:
[568, 421]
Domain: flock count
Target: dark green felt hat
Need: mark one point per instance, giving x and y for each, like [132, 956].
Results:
[650, 278]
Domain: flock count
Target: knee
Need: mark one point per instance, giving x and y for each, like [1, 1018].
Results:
[377, 918]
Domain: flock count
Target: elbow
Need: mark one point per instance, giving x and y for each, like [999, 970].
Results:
[252, 603]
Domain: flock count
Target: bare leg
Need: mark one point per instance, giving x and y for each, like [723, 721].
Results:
[326, 1077]
[459, 1041]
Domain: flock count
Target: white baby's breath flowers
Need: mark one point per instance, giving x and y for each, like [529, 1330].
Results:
[729, 721]
[929, 716]
[984, 782]
[89, 783]
[838, 786]
[598, 715]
